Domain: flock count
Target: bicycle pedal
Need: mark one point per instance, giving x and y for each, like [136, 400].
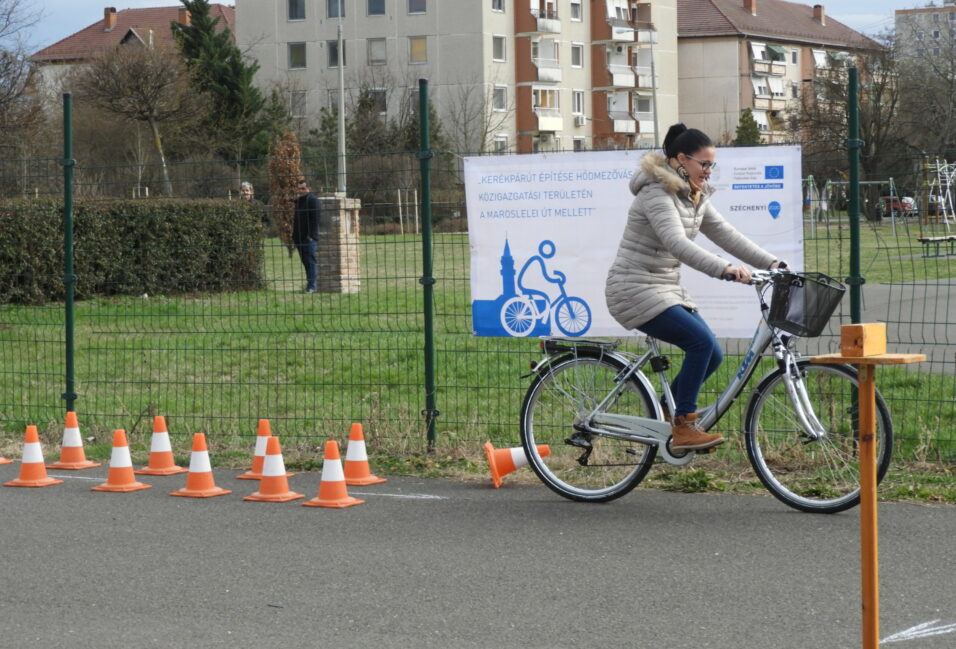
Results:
[705, 451]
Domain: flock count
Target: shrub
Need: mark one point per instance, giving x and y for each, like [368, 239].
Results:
[163, 246]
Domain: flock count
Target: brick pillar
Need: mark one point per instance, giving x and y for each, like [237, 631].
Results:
[338, 249]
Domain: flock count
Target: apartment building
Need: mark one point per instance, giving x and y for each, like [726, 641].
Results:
[756, 54]
[927, 31]
[521, 75]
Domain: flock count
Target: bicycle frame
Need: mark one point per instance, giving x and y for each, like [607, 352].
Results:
[656, 431]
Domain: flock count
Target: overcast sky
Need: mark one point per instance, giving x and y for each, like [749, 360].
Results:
[64, 17]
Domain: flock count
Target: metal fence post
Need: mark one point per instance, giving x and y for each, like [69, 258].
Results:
[69, 278]
[853, 145]
[427, 280]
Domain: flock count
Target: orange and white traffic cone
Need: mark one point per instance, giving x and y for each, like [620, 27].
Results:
[161, 461]
[503, 461]
[120, 478]
[357, 471]
[199, 481]
[332, 489]
[71, 453]
[4, 460]
[263, 434]
[32, 469]
[274, 487]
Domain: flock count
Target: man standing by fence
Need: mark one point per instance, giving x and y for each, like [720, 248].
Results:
[305, 232]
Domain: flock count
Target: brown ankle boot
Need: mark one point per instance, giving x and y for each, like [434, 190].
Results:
[687, 436]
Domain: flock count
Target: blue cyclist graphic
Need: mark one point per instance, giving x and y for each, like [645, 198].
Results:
[521, 313]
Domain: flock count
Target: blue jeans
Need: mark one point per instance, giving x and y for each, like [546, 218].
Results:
[702, 354]
[307, 255]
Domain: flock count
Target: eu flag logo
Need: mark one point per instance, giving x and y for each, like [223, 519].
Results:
[773, 172]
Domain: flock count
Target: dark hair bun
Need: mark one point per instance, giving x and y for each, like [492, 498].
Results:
[672, 133]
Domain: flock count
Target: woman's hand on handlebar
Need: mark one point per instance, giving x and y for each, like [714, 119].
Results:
[736, 274]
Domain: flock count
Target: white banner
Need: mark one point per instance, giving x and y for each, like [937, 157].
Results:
[545, 228]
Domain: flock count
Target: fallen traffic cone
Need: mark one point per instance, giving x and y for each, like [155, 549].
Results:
[274, 487]
[503, 461]
[32, 469]
[199, 481]
[357, 471]
[161, 461]
[71, 453]
[120, 478]
[259, 457]
[4, 460]
[332, 489]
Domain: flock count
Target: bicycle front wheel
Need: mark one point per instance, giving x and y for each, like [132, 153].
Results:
[573, 317]
[584, 466]
[820, 475]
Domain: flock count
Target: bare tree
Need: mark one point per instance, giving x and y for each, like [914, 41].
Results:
[149, 85]
[15, 19]
[474, 114]
[822, 115]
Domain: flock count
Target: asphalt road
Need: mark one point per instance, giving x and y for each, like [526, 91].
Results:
[432, 563]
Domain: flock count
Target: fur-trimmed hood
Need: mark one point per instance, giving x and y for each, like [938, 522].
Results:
[654, 169]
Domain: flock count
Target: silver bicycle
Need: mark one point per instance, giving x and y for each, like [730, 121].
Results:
[599, 414]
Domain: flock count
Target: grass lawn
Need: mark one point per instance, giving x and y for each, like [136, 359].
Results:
[313, 364]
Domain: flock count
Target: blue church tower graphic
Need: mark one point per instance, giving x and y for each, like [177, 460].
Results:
[488, 315]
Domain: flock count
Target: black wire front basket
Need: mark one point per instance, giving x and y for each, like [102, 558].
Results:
[802, 303]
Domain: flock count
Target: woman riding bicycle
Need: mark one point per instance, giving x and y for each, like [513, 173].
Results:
[671, 205]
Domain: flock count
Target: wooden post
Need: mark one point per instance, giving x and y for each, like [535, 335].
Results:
[869, 551]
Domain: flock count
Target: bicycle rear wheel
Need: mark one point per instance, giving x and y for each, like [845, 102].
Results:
[821, 475]
[559, 398]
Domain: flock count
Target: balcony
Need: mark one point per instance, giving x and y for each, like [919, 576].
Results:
[622, 76]
[548, 69]
[644, 79]
[547, 20]
[646, 33]
[549, 119]
[623, 122]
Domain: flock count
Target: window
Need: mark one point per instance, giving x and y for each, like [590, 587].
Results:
[499, 48]
[776, 86]
[376, 7]
[760, 116]
[501, 144]
[643, 105]
[377, 53]
[793, 56]
[336, 8]
[936, 34]
[575, 9]
[577, 102]
[545, 98]
[297, 105]
[794, 90]
[578, 144]
[333, 49]
[820, 58]
[920, 34]
[761, 89]
[759, 51]
[952, 15]
[296, 9]
[378, 98]
[333, 100]
[416, 6]
[296, 56]
[935, 51]
[499, 98]
[417, 49]
[497, 5]
[577, 55]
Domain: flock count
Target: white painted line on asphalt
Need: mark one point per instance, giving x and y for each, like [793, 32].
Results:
[74, 477]
[924, 630]
[409, 496]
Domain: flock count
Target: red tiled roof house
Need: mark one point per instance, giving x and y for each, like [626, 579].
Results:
[757, 54]
[145, 27]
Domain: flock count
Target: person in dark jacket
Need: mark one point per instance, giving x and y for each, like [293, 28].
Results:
[305, 232]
